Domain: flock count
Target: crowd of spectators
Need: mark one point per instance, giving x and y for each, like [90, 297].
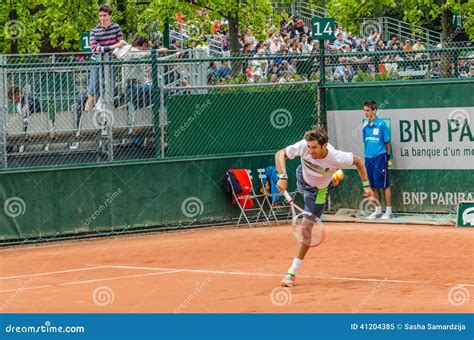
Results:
[293, 38]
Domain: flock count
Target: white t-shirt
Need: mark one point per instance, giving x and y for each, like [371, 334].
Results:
[318, 172]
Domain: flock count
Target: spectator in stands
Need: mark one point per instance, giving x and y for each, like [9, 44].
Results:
[339, 41]
[275, 70]
[175, 45]
[275, 45]
[374, 38]
[294, 49]
[393, 41]
[258, 76]
[380, 45]
[418, 45]
[363, 46]
[259, 46]
[137, 76]
[362, 62]
[225, 71]
[344, 73]
[305, 45]
[247, 49]
[263, 68]
[104, 38]
[315, 46]
[340, 29]
[211, 79]
[299, 29]
[274, 78]
[349, 40]
[216, 26]
[408, 46]
[212, 69]
[26, 104]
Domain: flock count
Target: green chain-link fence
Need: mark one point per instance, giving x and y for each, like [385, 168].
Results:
[346, 66]
[79, 108]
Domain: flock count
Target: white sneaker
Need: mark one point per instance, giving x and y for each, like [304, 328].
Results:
[374, 215]
[387, 216]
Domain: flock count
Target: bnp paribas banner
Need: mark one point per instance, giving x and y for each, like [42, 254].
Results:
[422, 138]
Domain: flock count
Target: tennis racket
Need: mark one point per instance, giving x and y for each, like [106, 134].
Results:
[307, 229]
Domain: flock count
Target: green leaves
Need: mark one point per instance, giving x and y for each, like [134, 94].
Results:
[32, 26]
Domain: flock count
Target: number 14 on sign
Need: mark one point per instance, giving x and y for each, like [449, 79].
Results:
[322, 28]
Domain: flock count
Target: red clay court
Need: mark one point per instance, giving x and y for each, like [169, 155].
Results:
[360, 268]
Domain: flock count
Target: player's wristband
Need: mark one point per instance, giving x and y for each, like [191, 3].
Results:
[365, 183]
[283, 176]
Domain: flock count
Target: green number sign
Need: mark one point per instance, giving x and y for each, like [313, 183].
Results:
[322, 28]
[85, 42]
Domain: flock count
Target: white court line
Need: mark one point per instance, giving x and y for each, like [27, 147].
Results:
[305, 276]
[52, 273]
[88, 281]
[177, 270]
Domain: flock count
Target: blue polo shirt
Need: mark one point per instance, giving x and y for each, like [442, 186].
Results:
[374, 137]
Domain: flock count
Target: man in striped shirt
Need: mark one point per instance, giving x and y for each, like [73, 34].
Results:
[105, 37]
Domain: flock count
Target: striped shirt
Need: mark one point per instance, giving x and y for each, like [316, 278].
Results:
[104, 37]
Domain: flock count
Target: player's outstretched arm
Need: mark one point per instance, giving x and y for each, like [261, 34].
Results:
[359, 164]
[280, 164]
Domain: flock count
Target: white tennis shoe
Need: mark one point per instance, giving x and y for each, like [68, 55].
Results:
[387, 216]
[374, 215]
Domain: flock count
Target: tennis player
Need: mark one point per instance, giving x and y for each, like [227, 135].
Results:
[319, 161]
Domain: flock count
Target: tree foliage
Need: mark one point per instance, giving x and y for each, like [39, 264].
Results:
[32, 26]
[417, 12]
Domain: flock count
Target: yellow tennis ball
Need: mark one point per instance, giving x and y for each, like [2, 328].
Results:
[338, 175]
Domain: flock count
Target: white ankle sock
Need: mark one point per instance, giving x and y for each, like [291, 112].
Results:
[294, 267]
[389, 210]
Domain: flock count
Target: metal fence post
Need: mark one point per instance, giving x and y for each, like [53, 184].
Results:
[321, 88]
[155, 103]
[163, 122]
[106, 109]
[3, 116]
[201, 67]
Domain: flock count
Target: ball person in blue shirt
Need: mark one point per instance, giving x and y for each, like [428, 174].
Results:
[376, 140]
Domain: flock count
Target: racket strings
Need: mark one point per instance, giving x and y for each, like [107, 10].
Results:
[307, 231]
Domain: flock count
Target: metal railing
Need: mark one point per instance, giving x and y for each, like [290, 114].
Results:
[216, 47]
[405, 31]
